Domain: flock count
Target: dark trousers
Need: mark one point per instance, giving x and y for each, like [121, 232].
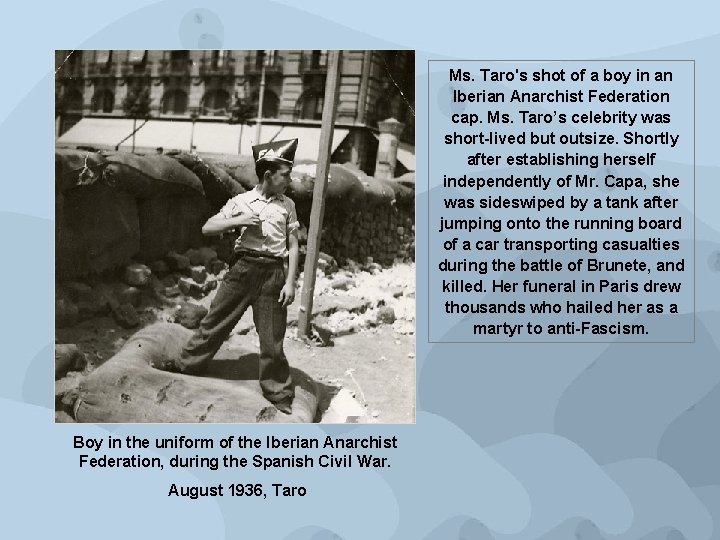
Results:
[255, 282]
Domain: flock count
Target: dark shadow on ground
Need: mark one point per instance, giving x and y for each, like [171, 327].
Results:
[246, 368]
[326, 392]
[243, 368]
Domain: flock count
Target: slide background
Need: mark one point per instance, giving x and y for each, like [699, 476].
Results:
[511, 441]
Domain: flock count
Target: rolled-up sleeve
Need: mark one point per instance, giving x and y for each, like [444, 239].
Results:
[235, 206]
[292, 220]
[230, 209]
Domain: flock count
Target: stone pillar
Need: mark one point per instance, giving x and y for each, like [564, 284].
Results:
[390, 131]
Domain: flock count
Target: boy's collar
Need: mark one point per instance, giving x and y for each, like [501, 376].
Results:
[258, 190]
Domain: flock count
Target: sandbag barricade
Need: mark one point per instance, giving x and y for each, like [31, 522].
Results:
[146, 177]
[343, 186]
[219, 186]
[129, 388]
[170, 224]
[97, 228]
[376, 222]
[76, 168]
[378, 192]
[241, 169]
[140, 207]
[404, 195]
[146, 206]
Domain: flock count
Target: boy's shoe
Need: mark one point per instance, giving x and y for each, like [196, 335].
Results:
[168, 365]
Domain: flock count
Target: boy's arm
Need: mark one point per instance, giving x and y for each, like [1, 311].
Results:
[235, 213]
[287, 295]
[219, 224]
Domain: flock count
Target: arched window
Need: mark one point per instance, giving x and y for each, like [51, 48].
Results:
[103, 101]
[174, 102]
[310, 105]
[215, 102]
[271, 104]
[73, 100]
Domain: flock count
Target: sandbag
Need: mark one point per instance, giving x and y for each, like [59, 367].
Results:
[243, 172]
[407, 180]
[151, 176]
[406, 198]
[219, 186]
[378, 191]
[404, 194]
[97, 228]
[343, 185]
[170, 224]
[76, 168]
[68, 357]
[300, 189]
[129, 388]
[302, 182]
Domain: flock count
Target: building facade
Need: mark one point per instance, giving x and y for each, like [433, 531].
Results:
[203, 85]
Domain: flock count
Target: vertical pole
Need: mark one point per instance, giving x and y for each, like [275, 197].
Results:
[317, 211]
[261, 98]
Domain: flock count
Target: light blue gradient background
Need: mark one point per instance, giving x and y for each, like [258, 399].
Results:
[511, 441]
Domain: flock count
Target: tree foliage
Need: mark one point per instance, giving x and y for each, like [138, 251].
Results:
[137, 103]
[240, 111]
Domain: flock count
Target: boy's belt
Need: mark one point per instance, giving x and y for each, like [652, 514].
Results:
[255, 256]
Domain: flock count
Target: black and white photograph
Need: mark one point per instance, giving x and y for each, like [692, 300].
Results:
[235, 236]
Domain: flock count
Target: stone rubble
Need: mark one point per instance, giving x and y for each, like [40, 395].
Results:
[137, 275]
[189, 315]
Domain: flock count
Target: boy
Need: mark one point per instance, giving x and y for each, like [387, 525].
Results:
[269, 225]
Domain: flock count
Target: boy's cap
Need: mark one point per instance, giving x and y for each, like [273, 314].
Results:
[280, 151]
